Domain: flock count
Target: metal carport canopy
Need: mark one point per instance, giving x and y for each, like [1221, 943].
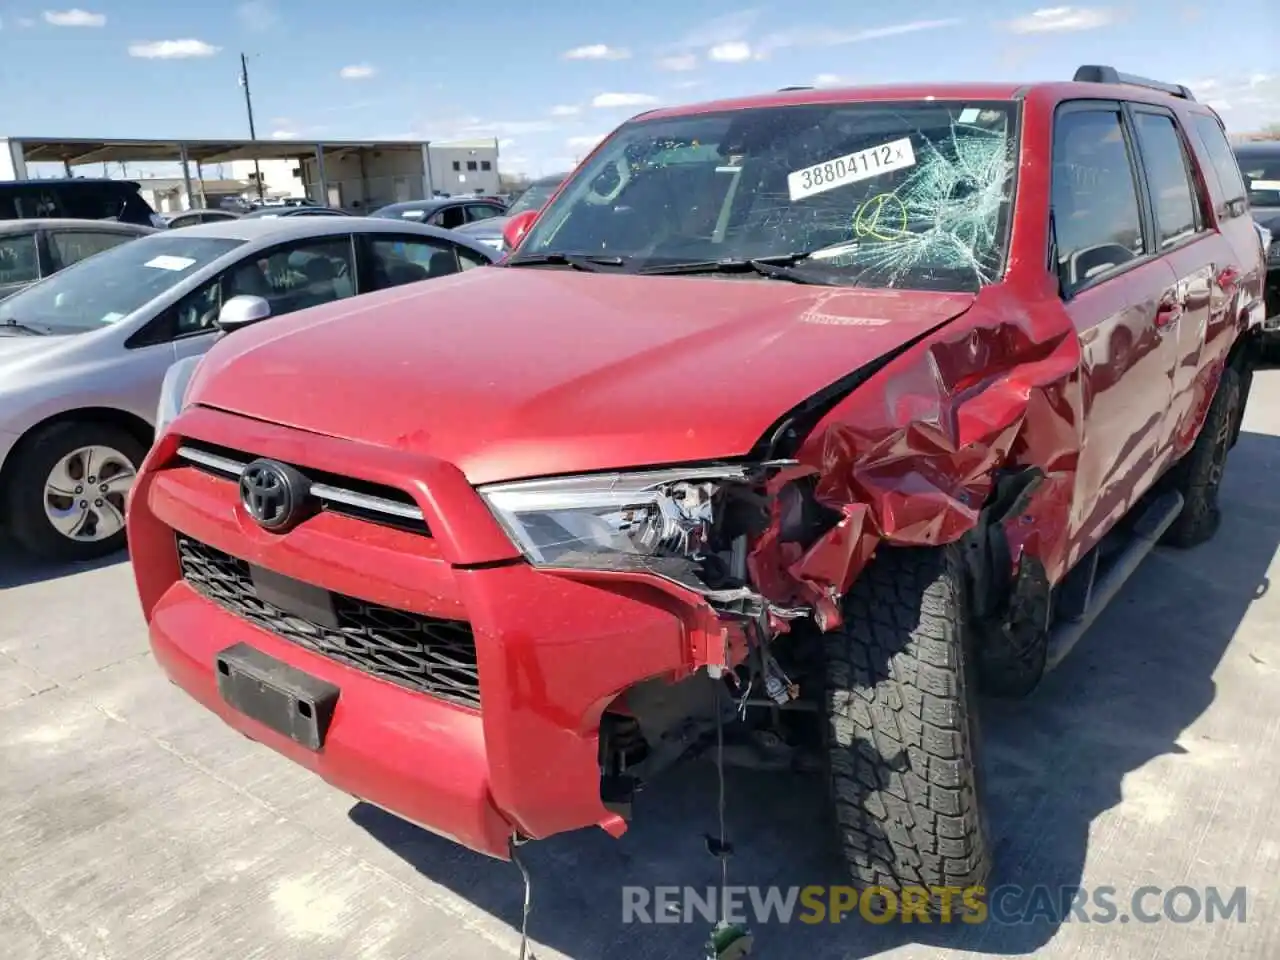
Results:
[76, 151]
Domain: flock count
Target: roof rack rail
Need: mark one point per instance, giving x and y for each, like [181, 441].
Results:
[791, 89]
[1099, 74]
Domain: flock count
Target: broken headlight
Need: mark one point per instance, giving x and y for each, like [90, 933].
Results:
[615, 521]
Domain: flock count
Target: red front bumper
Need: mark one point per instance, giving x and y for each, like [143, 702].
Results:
[552, 652]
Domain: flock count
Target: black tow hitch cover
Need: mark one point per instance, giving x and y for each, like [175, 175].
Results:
[279, 696]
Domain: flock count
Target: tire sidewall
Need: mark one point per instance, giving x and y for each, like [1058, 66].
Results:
[24, 496]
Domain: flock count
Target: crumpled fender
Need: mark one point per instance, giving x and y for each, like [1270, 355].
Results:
[910, 456]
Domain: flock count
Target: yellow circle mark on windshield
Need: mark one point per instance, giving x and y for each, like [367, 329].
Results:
[883, 217]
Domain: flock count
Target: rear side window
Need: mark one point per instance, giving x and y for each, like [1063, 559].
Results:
[90, 203]
[1263, 176]
[1172, 192]
[18, 260]
[71, 246]
[1097, 219]
[1224, 161]
[450, 218]
[38, 201]
[482, 211]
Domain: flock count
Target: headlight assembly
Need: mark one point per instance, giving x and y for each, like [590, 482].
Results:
[173, 391]
[613, 521]
[687, 525]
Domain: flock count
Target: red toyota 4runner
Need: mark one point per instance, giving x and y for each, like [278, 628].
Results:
[812, 414]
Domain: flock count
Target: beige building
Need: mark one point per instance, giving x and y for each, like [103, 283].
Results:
[354, 175]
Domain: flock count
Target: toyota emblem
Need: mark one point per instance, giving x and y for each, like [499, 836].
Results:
[274, 494]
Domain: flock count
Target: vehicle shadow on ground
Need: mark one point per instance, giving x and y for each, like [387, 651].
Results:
[17, 569]
[1053, 763]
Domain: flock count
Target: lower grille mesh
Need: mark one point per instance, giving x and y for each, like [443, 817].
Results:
[432, 656]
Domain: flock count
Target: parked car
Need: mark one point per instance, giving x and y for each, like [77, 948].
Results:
[1260, 165]
[534, 197]
[191, 218]
[33, 249]
[83, 354]
[273, 211]
[847, 401]
[78, 198]
[449, 213]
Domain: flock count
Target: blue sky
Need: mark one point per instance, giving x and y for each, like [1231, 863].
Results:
[549, 78]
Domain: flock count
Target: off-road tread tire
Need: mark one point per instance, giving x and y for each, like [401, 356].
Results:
[1192, 475]
[902, 733]
[22, 501]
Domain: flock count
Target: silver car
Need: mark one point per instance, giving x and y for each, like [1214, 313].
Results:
[83, 354]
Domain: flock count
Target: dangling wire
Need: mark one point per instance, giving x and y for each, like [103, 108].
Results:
[720, 805]
[525, 952]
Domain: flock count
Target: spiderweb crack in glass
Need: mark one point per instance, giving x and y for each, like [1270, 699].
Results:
[951, 204]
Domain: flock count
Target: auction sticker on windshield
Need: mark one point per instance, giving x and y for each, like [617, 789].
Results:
[167, 262]
[851, 168]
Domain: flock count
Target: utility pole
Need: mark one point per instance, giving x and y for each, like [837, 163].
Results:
[253, 135]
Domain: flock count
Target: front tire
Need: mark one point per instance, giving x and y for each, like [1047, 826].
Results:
[902, 730]
[65, 499]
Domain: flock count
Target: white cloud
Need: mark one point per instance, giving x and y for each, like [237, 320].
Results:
[687, 84]
[585, 142]
[836, 38]
[74, 18]
[257, 16]
[284, 134]
[678, 62]
[726, 29]
[606, 100]
[358, 71]
[1059, 19]
[1249, 102]
[565, 110]
[734, 51]
[829, 80]
[596, 51]
[172, 49]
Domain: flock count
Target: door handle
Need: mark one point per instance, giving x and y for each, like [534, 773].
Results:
[1168, 312]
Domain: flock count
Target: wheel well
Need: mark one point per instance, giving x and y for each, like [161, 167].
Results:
[136, 426]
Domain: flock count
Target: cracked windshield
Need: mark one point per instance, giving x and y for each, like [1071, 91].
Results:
[912, 195]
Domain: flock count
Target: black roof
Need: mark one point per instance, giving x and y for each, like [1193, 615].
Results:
[64, 182]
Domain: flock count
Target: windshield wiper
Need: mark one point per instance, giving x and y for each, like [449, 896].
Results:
[776, 267]
[15, 325]
[591, 264]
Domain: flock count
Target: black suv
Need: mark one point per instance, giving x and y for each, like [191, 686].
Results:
[76, 199]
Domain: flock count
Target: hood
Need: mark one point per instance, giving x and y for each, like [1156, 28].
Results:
[490, 227]
[19, 351]
[1268, 217]
[523, 372]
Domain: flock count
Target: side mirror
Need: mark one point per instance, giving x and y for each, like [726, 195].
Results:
[239, 312]
[516, 228]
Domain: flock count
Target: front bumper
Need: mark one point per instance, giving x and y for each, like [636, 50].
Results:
[552, 652]
[1271, 297]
